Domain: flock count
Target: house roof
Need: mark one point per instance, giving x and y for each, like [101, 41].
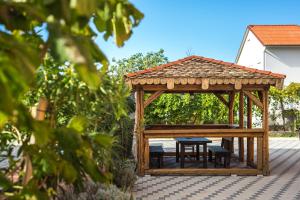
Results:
[277, 35]
[194, 69]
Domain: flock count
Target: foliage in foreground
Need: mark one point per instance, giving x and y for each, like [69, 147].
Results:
[69, 146]
[94, 191]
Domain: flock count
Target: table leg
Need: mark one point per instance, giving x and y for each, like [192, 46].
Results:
[177, 151]
[197, 154]
[205, 155]
[182, 155]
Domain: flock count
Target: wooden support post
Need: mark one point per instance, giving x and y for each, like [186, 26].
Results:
[231, 115]
[231, 111]
[140, 130]
[266, 170]
[146, 153]
[250, 140]
[241, 126]
[260, 96]
[259, 153]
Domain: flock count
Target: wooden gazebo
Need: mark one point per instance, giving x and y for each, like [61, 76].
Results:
[195, 74]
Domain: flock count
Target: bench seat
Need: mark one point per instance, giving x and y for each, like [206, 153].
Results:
[219, 153]
[158, 152]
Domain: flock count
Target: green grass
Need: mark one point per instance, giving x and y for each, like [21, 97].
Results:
[283, 134]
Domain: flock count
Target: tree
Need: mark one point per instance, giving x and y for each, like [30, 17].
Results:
[285, 104]
[138, 62]
[64, 31]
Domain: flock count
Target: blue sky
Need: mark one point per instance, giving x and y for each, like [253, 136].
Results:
[211, 28]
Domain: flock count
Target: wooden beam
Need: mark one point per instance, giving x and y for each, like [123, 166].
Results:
[199, 171]
[205, 83]
[231, 115]
[170, 83]
[255, 100]
[260, 96]
[142, 147]
[222, 99]
[249, 113]
[250, 140]
[238, 84]
[231, 108]
[209, 131]
[139, 130]
[266, 170]
[198, 88]
[259, 153]
[153, 97]
[146, 153]
[241, 126]
[204, 133]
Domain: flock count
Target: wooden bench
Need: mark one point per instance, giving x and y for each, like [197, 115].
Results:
[223, 151]
[219, 153]
[157, 151]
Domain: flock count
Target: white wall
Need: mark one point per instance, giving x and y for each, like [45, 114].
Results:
[252, 52]
[285, 60]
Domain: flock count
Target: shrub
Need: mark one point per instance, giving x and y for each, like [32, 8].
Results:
[124, 174]
[93, 191]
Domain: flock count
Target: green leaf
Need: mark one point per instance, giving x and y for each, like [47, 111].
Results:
[78, 123]
[103, 140]
[42, 133]
[69, 139]
[92, 169]
[92, 79]
[84, 7]
[3, 119]
[68, 171]
[4, 182]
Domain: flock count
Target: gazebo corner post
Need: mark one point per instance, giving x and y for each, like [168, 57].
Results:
[266, 170]
[250, 140]
[241, 125]
[231, 108]
[139, 130]
[231, 113]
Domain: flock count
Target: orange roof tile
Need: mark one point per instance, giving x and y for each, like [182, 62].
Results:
[281, 35]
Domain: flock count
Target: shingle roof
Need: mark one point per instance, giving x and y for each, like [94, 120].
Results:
[194, 69]
[201, 67]
[281, 35]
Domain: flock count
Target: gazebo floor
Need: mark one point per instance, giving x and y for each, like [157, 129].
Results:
[190, 162]
[283, 182]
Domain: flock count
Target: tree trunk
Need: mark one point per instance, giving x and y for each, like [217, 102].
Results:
[38, 115]
[282, 114]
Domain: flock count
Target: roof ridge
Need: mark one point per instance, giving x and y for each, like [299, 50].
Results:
[228, 64]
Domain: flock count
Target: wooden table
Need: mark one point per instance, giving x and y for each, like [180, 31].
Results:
[182, 142]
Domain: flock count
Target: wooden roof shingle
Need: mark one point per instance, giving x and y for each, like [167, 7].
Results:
[196, 69]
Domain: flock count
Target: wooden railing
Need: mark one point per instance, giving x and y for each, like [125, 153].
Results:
[169, 133]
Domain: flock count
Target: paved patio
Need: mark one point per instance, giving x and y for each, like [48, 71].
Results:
[283, 183]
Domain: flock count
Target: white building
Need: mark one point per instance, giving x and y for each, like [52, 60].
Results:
[274, 48]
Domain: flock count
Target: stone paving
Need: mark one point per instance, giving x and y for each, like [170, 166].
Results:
[283, 183]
